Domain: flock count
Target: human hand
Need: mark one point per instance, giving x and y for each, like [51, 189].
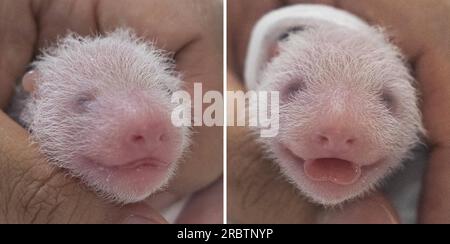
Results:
[422, 30]
[30, 190]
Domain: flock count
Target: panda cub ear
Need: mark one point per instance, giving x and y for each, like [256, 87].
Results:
[29, 81]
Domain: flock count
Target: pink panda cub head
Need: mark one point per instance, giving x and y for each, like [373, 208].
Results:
[348, 109]
[101, 109]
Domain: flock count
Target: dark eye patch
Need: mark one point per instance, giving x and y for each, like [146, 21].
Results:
[295, 29]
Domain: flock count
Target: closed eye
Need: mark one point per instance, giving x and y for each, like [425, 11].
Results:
[291, 90]
[82, 101]
[388, 100]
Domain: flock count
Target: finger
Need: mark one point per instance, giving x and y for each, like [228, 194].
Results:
[432, 69]
[170, 37]
[434, 205]
[374, 209]
[205, 206]
[31, 191]
[17, 38]
[433, 72]
[57, 18]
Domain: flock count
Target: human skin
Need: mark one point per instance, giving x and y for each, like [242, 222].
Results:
[422, 30]
[31, 191]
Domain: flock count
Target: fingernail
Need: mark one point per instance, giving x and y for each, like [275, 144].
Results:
[367, 212]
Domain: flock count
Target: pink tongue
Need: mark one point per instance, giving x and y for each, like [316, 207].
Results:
[335, 170]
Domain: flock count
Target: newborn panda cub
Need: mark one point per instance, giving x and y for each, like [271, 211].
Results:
[348, 110]
[100, 107]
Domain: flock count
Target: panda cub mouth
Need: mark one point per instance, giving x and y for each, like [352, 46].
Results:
[335, 170]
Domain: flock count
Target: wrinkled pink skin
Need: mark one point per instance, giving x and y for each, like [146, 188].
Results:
[344, 95]
[100, 107]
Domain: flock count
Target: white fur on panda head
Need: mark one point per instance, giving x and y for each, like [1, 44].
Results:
[100, 107]
[348, 109]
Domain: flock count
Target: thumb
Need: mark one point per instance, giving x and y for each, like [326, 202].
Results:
[374, 209]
